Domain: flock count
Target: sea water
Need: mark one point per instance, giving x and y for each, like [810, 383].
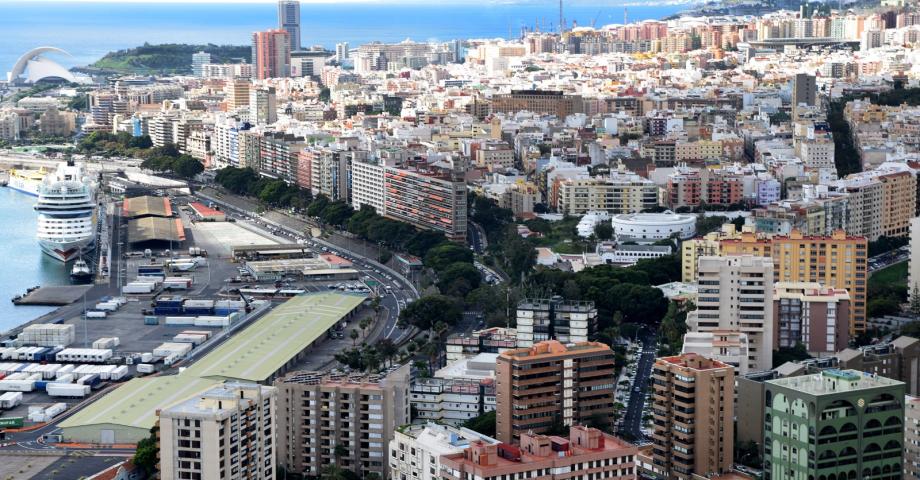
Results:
[89, 30]
[22, 263]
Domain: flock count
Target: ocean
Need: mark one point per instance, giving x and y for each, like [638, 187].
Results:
[24, 265]
[90, 30]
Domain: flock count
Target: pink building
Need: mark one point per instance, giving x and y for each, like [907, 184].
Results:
[587, 453]
[271, 54]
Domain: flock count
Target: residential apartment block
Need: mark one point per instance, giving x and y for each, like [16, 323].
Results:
[693, 415]
[416, 450]
[837, 422]
[552, 384]
[735, 294]
[586, 454]
[555, 319]
[620, 192]
[227, 432]
[835, 261]
[357, 412]
[809, 314]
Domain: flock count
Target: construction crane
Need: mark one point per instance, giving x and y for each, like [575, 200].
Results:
[594, 22]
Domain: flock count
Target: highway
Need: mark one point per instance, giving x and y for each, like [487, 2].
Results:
[401, 293]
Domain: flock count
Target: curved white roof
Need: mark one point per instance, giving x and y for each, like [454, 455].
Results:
[36, 67]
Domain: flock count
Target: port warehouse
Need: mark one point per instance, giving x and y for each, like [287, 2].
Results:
[268, 348]
[151, 220]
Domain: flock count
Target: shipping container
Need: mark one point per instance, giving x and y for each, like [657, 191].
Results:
[10, 399]
[190, 321]
[11, 422]
[145, 368]
[146, 357]
[118, 373]
[151, 320]
[137, 288]
[95, 314]
[68, 390]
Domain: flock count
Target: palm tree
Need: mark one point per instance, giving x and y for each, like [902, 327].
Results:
[363, 324]
[354, 337]
[375, 304]
[339, 451]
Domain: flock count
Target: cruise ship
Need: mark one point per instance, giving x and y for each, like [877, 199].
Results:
[66, 212]
[27, 181]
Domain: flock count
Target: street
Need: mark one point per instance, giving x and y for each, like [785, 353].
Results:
[632, 422]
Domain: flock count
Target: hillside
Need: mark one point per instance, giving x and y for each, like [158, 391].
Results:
[167, 58]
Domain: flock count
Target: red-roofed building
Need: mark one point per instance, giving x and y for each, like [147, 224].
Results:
[206, 213]
[587, 453]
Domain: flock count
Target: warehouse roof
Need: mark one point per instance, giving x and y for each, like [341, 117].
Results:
[254, 354]
[146, 206]
[151, 229]
[264, 348]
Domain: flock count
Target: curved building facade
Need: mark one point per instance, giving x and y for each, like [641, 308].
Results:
[33, 67]
[651, 227]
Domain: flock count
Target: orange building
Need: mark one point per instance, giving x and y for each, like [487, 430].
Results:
[837, 261]
[552, 384]
[693, 410]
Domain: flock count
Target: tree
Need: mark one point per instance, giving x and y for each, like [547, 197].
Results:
[335, 472]
[354, 336]
[363, 324]
[426, 311]
[603, 231]
[484, 424]
[442, 256]
[145, 457]
[790, 354]
[186, 166]
[387, 349]
[458, 279]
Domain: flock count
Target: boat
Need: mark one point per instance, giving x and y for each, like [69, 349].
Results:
[27, 181]
[80, 272]
[66, 213]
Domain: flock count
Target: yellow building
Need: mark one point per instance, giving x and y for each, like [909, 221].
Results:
[707, 245]
[837, 261]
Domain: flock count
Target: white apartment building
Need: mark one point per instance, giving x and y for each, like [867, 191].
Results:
[817, 153]
[367, 180]
[726, 346]
[462, 390]
[226, 432]
[913, 271]
[736, 294]
[415, 450]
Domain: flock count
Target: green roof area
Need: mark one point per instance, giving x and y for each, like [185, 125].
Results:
[253, 354]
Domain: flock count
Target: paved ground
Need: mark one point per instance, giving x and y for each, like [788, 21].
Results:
[78, 464]
[16, 467]
[55, 295]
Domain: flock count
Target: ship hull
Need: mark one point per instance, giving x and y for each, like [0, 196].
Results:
[65, 252]
[31, 190]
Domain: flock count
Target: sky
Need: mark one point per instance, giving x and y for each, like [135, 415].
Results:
[385, 2]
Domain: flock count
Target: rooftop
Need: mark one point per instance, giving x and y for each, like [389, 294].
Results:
[253, 355]
[152, 228]
[834, 380]
[550, 348]
[146, 206]
[693, 361]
